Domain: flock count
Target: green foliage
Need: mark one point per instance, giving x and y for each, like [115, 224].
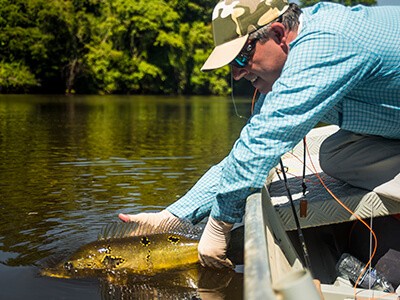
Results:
[16, 78]
[106, 46]
[33, 34]
[305, 3]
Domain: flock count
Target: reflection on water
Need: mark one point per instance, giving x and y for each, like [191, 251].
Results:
[199, 283]
[68, 165]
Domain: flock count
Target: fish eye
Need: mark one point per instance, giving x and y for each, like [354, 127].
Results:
[68, 266]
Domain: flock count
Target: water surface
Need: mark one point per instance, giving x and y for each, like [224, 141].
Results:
[69, 165]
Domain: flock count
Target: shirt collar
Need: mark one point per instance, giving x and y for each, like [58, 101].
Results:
[300, 27]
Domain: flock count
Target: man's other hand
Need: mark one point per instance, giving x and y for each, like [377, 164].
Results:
[214, 244]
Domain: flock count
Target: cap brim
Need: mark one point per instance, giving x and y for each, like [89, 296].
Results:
[224, 53]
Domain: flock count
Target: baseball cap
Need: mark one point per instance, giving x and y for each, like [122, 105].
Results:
[233, 21]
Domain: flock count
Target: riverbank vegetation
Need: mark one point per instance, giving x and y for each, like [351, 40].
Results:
[108, 47]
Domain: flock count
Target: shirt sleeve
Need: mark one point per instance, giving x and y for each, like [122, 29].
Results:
[196, 204]
[320, 70]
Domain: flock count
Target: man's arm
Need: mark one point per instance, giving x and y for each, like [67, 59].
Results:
[196, 204]
[322, 68]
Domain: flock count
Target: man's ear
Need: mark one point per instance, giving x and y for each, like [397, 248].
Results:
[278, 31]
[279, 34]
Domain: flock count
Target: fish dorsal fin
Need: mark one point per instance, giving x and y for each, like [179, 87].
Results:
[117, 230]
[129, 229]
[179, 226]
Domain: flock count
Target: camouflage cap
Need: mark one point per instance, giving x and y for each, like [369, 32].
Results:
[233, 21]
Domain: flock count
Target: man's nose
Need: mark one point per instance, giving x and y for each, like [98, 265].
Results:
[238, 73]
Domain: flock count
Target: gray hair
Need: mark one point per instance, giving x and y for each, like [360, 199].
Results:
[289, 19]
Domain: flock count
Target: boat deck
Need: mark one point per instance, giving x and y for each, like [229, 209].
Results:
[321, 208]
[273, 268]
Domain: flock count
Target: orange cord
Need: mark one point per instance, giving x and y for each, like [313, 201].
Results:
[353, 214]
[337, 200]
[315, 172]
[253, 101]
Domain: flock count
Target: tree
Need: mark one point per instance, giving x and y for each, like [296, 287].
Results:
[33, 36]
[105, 46]
[16, 78]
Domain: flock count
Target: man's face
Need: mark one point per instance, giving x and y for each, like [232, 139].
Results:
[266, 65]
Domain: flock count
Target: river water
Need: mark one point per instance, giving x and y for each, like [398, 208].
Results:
[69, 165]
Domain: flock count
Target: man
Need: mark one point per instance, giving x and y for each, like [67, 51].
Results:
[327, 63]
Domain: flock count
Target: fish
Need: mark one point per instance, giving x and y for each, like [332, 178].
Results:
[131, 248]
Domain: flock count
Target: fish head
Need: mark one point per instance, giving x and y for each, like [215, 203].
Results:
[92, 256]
[85, 261]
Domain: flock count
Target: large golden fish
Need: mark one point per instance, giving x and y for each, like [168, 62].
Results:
[131, 248]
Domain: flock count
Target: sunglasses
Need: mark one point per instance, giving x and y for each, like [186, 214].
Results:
[244, 56]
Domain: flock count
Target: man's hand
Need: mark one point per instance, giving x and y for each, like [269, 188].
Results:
[152, 219]
[214, 243]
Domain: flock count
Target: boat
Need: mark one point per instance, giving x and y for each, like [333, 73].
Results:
[276, 265]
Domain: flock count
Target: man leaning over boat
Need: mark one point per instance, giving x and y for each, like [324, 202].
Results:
[330, 63]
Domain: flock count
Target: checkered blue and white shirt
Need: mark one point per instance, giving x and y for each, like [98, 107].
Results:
[343, 68]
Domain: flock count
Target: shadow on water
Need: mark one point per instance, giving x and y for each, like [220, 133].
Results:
[69, 165]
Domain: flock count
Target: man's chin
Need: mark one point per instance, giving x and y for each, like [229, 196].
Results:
[262, 86]
[263, 89]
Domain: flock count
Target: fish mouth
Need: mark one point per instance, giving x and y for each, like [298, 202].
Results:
[64, 270]
[55, 274]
